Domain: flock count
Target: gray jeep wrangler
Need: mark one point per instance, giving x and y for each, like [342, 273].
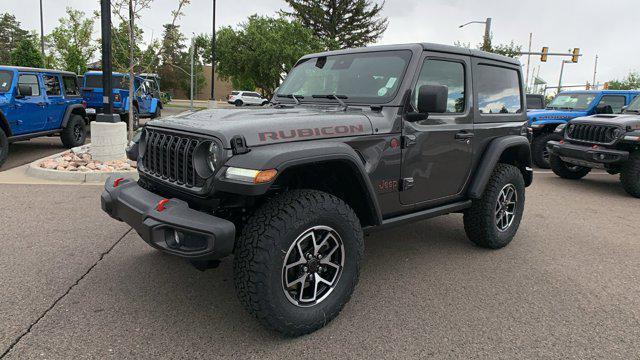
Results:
[353, 142]
[610, 142]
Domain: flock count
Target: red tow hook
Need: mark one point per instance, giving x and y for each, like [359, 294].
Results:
[117, 182]
[160, 207]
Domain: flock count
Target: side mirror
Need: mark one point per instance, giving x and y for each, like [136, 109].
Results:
[24, 90]
[432, 99]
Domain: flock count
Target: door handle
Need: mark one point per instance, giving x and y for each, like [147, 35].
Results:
[464, 135]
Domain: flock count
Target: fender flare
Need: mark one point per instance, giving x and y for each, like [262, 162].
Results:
[490, 159]
[287, 155]
[4, 124]
[69, 112]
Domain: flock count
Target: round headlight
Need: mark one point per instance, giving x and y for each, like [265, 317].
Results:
[618, 133]
[215, 153]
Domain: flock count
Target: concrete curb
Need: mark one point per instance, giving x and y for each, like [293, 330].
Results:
[34, 170]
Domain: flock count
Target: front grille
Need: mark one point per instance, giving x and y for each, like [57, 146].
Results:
[169, 156]
[601, 134]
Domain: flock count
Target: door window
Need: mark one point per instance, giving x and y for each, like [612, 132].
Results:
[52, 85]
[30, 80]
[498, 90]
[447, 73]
[615, 101]
[70, 86]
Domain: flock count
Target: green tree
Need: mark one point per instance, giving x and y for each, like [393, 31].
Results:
[262, 51]
[11, 35]
[340, 23]
[630, 82]
[120, 46]
[71, 41]
[27, 54]
[510, 49]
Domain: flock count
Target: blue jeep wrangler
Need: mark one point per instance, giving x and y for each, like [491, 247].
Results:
[145, 104]
[566, 106]
[40, 102]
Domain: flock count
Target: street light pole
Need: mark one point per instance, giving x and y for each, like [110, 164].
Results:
[528, 61]
[486, 44]
[595, 71]
[105, 16]
[212, 100]
[41, 31]
[561, 73]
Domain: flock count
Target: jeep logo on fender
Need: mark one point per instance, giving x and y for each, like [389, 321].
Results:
[311, 132]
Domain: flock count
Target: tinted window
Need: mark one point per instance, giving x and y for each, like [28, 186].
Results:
[616, 102]
[498, 90]
[70, 86]
[52, 85]
[235, 92]
[252, 94]
[447, 73]
[117, 82]
[5, 80]
[571, 101]
[31, 81]
[362, 77]
[534, 102]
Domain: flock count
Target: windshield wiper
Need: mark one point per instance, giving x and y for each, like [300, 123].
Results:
[338, 98]
[295, 98]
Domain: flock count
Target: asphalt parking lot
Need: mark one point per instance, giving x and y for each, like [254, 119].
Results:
[76, 284]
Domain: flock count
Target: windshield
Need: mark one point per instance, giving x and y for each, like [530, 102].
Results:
[362, 77]
[635, 105]
[117, 82]
[5, 80]
[571, 101]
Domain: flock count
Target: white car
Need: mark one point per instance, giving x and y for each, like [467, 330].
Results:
[240, 98]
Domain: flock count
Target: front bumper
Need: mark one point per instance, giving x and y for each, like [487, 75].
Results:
[178, 229]
[588, 156]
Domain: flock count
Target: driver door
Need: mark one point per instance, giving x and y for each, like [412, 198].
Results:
[437, 151]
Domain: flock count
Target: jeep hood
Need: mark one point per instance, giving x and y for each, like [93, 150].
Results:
[271, 125]
[562, 115]
[625, 120]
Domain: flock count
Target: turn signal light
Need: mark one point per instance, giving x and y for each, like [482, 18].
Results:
[265, 176]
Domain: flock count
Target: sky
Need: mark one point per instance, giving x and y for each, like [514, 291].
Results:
[607, 29]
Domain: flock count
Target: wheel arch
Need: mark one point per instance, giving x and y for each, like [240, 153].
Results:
[301, 165]
[513, 150]
[75, 109]
[4, 124]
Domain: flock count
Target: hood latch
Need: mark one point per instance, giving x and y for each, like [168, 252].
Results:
[239, 145]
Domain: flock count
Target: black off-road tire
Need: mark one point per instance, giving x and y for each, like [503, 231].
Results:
[630, 175]
[567, 171]
[539, 149]
[263, 247]
[158, 113]
[4, 147]
[75, 133]
[136, 119]
[480, 220]
[238, 103]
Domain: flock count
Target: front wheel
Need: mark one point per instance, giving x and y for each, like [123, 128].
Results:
[566, 170]
[4, 147]
[630, 175]
[238, 103]
[136, 119]
[75, 133]
[493, 220]
[297, 261]
[539, 150]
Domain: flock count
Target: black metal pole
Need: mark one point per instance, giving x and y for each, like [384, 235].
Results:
[42, 33]
[105, 9]
[213, 54]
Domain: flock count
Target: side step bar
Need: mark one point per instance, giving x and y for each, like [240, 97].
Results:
[420, 215]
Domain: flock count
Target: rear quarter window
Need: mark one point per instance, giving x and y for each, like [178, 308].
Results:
[499, 90]
[70, 86]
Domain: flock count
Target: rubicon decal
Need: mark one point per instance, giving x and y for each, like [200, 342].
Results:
[311, 132]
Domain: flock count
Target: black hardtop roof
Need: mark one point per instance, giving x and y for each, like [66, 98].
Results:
[39, 70]
[424, 47]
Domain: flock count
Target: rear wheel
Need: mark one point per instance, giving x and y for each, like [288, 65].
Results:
[75, 133]
[297, 261]
[493, 220]
[136, 118]
[158, 113]
[630, 175]
[4, 147]
[566, 170]
[539, 150]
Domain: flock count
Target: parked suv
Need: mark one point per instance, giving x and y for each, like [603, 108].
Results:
[240, 98]
[610, 142]
[355, 141]
[569, 105]
[39, 102]
[145, 104]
